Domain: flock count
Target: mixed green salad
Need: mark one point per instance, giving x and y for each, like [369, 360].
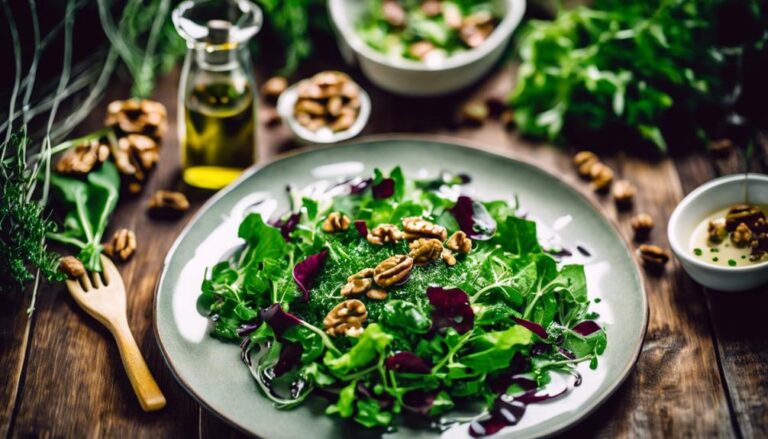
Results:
[426, 30]
[399, 298]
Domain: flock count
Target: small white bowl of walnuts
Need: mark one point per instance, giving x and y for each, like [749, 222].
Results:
[329, 107]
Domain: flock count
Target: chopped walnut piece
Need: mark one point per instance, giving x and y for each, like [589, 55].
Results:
[393, 270]
[743, 213]
[167, 204]
[135, 116]
[135, 156]
[742, 236]
[431, 8]
[415, 227]
[423, 251]
[653, 257]
[71, 266]
[82, 158]
[721, 148]
[420, 49]
[716, 231]
[584, 161]
[122, 245]
[474, 113]
[384, 233]
[393, 12]
[358, 283]
[336, 222]
[330, 99]
[459, 242]
[376, 294]
[448, 257]
[273, 87]
[642, 224]
[623, 194]
[346, 318]
[601, 176]
[476, 28]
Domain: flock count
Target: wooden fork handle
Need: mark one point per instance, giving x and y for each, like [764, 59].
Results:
[150, 396]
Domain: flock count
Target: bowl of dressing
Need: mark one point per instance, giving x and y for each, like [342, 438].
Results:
[719, 232]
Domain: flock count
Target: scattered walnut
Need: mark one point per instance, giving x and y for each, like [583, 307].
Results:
[330, 99]
[623, 194]
[393, 12]
[653, 257]
[584, 161]
[415, 227]
[474, 113]
[431, 8]
[273, 87]
[358, 283]
[336, 222]
[741, 236]
[71, 266]
[167, 205]
[459, 242]
[448, 257]
[393, 270]
[135, 156]
[135, 116]
[721, 148]
[346, 318]
[476, 28]
[507, 118]
[122, 245]
[423, 251]
[601, 176]
[82, 158]
[384, 233]
[743, 213]
[642, 224]
[716, 231]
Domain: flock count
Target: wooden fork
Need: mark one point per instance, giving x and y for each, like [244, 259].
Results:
[103, 297]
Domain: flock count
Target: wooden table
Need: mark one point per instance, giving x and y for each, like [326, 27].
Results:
[703, 370]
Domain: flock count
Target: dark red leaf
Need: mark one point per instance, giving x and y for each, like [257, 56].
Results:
[306, 271]
[586, 327]
[287, 225]
[289, 357]
[358, 186]
[279, 320]
[385, 189]
[362, 228]
[451, 309]
[532, 326]
[474, 219]
[407, 362]
[419, 401]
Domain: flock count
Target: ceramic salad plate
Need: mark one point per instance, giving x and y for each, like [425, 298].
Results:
[213, 372]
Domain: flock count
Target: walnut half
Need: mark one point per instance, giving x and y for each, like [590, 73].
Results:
[336, 222]
[83, 158]
[415, 228]
[459, 242]
[384, 233]
[393, 270]
[346, 318]
[423, 251]
[122, 245]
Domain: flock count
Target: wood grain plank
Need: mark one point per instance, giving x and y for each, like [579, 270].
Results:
[737, 318]
[75, 385]
[15, 328]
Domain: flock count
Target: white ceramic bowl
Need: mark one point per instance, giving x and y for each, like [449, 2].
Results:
[285, 108]
[702, 202]
[413, 78]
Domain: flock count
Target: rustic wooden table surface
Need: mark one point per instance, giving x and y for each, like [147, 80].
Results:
[703, 370]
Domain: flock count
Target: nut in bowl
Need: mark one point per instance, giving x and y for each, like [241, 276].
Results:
[328, 107]
[719, 233]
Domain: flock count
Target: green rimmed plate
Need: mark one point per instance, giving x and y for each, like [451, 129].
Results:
[212, 371]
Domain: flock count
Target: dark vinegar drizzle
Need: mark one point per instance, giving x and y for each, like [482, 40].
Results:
[583, 251]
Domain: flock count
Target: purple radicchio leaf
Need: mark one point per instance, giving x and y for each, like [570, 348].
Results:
[586, 328]
[474, 219]
[506, 411]
[408, 362]
[358, 186]
[289, 357]
[306, 271]
[279, 320]
[362, 228]
[532, 326]
[385, 189]
[451, 309]
[286, 225]
[501, 383]
[246, 328]
[385, 400]
[419, 401]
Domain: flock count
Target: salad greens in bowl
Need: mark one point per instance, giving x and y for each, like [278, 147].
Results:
[389, 295]
[411, 301]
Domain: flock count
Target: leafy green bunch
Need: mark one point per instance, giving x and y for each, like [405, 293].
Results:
[512, 308]
[618, 70]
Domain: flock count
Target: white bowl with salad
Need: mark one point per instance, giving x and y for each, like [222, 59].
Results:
[424, 48]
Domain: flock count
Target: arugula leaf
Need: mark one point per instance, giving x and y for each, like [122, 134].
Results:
[405, 315]
[370, 414]
[494, 350]
[264, 241]
[345, 406]
[371, 344]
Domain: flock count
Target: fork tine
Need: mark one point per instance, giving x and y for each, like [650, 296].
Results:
[74, 286]
[85, 281]
[96, 280]
[108, 270]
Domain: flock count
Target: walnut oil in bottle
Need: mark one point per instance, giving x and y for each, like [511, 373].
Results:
[217, 93]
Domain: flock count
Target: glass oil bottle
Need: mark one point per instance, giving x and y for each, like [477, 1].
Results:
[217, 93]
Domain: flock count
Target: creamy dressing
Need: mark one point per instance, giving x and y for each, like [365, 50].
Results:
[724, 254]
